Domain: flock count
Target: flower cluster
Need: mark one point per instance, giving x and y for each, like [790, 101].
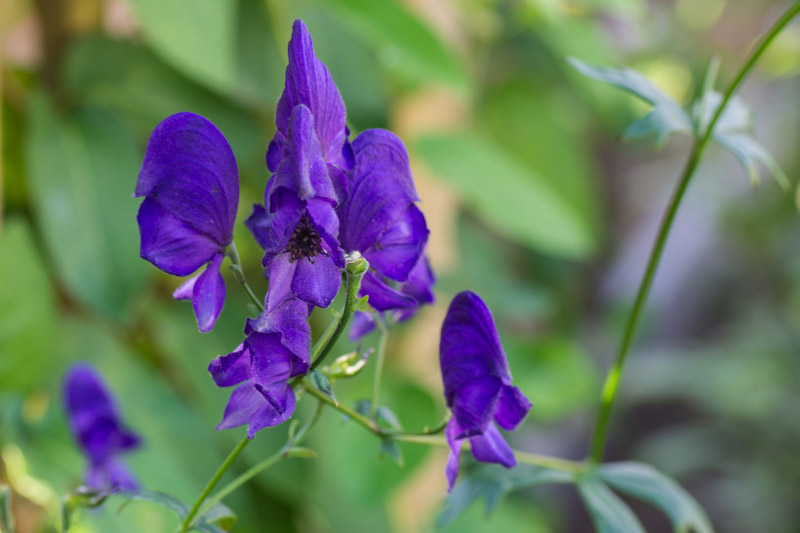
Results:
[96, 425]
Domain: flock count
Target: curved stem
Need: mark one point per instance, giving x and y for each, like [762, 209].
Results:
[187, 522]
[376, 383]
[238, 273]
[615, 372]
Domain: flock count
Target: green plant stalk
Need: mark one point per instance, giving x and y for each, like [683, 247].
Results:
[187, 522]
[614, 375]
[238, 273]
[376, 383]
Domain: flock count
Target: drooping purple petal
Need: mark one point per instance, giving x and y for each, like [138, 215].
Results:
[317, 283]
[419, 286]
[189, 168]
[231, 369]
[381, 296]
[243, 404]
[362, 324]
[171, 244]
[270, 361]
[491, 447]
[399, 248]
[451, 471]
[473, 404]
[512, 407]
[309, 83]
[208, 296]
[113, 474]
[259, 224]
[186, 289]
[277, 407]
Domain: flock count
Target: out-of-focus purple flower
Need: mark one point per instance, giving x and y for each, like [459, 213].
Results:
[96, 425]
[191, 187]
[381, 220]
[299, 227]
[477, 385]
[275, 350]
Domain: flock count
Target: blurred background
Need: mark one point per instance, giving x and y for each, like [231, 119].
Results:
[532, 201]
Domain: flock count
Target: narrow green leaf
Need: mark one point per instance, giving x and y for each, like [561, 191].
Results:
[321, 382]
[165, 500]
[300, 452]
[390, 447]
[206, 528]
[6, 517]
[667, 116]
[609, 513]
[750, 153]
[508, 196]
[645, 483]
[363, 407]
[492, 483]
[221, 515]
[388, 416]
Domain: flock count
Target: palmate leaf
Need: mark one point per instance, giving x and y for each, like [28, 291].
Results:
[492, 483]
[608, 512]
[645, 483]
[667, 116]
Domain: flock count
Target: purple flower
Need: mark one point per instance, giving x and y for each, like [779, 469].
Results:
[95, 423]
[477, 385]
[275, 350]
[191, 188]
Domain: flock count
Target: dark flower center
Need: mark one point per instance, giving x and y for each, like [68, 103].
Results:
[305, 241]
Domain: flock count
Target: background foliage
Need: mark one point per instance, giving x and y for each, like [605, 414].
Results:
[532, 201]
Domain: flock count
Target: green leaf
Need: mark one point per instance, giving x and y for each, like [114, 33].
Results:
[207, 528]
[221, 515]
[608, 512]
[492, 483]
[321, 382]
[301, 452]
[388, 416]
[165, 500]
[389, 447]
[363, 407]
[514, 200]
[82, 173]
[27, 313]
[645, 483]
[197, 37]
[6, 517]
[667, 116]
[405, 45]
[81, 497]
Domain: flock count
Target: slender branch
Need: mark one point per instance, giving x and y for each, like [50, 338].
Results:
[238, 273]
[376, 383]
[614, 375]
[187, 522]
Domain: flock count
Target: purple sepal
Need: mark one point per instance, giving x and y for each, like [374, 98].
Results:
[207, 293]
[96, 425]
[381, 296]
[362, 325]
[477, 384]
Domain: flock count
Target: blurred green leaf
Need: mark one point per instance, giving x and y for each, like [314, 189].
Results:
[492, 483]
[196, 36]
[27, 314]
[300, 452]
[609, 513]
[321, 382]
[207, 528]
[514, 200]
[645, 483]
[165, 500]
[388, 416]
[220, 514]
[666, 118]
[6, 518]
[405, 45]
[389, 447]
[82, 173]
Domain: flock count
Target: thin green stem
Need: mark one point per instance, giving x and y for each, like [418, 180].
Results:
[376, 383]
[256, 469]
[187, 522]
[238, 273]
[352, 413]
[614, 375]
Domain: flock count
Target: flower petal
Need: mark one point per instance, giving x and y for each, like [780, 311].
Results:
[259, 223]
[473, 404]
[381, 296]
[231, 369]
[491, 447]
[512, 407]
[317, 283]
[451, 471]
[208, 296]
[186, 289]
[243, 403]
[362, 324]
[278, 407]
[309, 83]
[289, 320]
[399, 248]
[190, 169]
[419, 286]
[171, 244]
[270, 361]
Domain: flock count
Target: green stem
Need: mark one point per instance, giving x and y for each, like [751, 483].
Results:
[614, 375]
[376, 384]
[238, 273]
[256, 469]
[356, 416]
[213, 483]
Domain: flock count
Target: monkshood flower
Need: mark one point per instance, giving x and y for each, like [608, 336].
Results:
[477, 385]
[275, 350]
[299, 227]
[96, 425]
[191, 187]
